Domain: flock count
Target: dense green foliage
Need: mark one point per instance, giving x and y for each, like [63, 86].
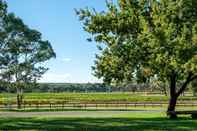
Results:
[22, 50]
[62, 87]
[72, 87]
[145, 40]
[86, 87]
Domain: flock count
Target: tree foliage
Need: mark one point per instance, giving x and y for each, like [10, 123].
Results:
[145, 39]
[22, 51]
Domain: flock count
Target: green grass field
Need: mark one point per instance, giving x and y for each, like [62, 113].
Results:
[54, 97]
[132, 121]
[126, 122]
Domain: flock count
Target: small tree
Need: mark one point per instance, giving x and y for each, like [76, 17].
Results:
[22, 53]
[145, 39]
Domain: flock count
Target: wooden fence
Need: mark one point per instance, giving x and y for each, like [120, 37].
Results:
[94, 105]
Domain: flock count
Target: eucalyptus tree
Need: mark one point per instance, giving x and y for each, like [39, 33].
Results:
[23, 52]
[3, 12]
[145, 39]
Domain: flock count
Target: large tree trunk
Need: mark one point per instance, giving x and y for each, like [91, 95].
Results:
[19, 98]
[173, 97]
[175, 94]
[171, 108]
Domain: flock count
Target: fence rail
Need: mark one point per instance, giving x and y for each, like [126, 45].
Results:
[85, 105]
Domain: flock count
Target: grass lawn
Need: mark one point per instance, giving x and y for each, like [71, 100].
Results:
[134, 121]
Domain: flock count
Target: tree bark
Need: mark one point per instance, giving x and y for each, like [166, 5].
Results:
[171, 108]
[19, 98]
[188, 80]
[173, 97]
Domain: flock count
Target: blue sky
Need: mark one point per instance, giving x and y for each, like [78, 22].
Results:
[57, 22]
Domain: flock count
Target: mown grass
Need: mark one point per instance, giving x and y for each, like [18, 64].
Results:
[127, 122]
[55, 97]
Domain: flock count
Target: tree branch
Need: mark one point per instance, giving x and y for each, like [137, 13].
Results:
[188, 80]
[194, 77]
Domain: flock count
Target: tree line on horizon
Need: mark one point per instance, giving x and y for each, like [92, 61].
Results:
[154, 87]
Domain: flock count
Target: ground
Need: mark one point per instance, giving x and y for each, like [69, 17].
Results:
[95, 121]
[123, 118]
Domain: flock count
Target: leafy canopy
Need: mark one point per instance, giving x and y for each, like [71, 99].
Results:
[144, 39]
[22, 50]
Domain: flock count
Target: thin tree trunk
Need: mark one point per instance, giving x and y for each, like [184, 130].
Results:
[164, 90]
[165, 93]
[19, 98]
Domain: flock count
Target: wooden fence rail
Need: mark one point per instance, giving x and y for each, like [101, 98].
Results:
[65, 105]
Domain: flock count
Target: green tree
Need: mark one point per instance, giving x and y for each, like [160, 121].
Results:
[4, 60]
[145, 39]
[22, 53]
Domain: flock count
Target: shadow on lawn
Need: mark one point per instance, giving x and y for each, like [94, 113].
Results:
[98, 124]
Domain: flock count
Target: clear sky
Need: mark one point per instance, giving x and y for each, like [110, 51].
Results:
[57, 22]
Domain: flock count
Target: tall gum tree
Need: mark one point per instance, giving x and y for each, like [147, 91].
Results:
[22, 53]
[145, 39]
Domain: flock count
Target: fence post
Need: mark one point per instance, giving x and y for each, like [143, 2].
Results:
[62, 105]
[24, 105]
[37, 105]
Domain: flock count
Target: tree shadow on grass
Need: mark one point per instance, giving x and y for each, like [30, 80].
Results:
[98, 124]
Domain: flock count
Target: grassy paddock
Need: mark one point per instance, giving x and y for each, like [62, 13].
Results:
[124, 122]
[57, 97]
